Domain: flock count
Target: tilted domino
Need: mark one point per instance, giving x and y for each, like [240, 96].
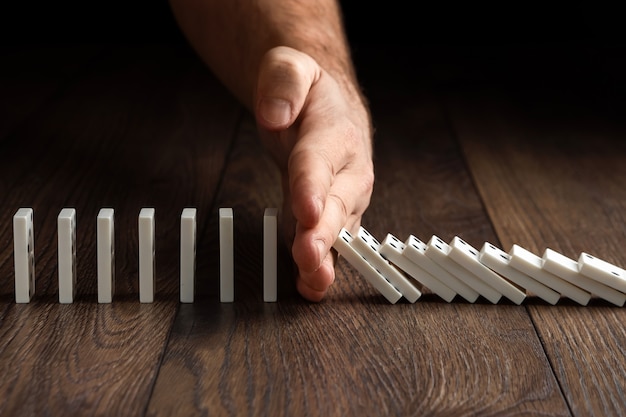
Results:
[391, 248]
[530, 264]
[344, 247]
[415, 251]
[602, 271]
[498, 260]
[439, 251]
[467, 256]
[567, 269]
[368, 247]
[24, 255]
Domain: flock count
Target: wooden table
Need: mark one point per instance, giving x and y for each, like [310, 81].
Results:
[464, 147]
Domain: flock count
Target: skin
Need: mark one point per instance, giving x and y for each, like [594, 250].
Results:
[288, 62]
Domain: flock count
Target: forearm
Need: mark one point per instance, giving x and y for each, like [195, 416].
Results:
[231, 37]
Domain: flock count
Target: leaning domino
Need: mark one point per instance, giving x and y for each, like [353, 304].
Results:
[602, 271]
[530, 264]
[146, 255]
[439, 251]
[106, 255]
[368, 247]
[24, 255]
[498, 260]
[187, 255]
[227, 264]
[391, 248]
[415, 251]
[66, 241]
[270, 255]
[567, 269]
[343, 246]
[467, 256]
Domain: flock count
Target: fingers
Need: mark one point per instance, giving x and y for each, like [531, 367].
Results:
[285, 77]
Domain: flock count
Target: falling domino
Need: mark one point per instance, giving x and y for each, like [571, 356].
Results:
[270, 253]
[392, 248]
[147, 278]
[106, 255]
[227, 265]
[498, 260]
[415, 251]
[602, 271]
[187, 255]
[343, 245]
[368, 247]
[439, 251]
[24, 255]
[66, 236]
[467, 256]
[530, 264]
[567, 269]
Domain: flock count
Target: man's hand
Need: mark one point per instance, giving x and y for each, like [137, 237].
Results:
[319, 132]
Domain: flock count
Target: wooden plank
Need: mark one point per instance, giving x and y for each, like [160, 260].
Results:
[118, 138]
[550, 167]
[355, 354]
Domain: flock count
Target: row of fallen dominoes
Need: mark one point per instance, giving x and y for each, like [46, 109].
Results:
[24, 255]
[399, 269]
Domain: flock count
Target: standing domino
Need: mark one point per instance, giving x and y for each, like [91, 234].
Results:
[368, 247]
[270, 255]
[66, 238]
[467, 256]
[106, 255]
[187, 255]
[24, 255]
[567, 269]
[498, 260]
[602, 271]
[530, 264]
[415, 250]
[147, 278]
[391, 248]
[343, 245]
[227, 263]
[439, 251]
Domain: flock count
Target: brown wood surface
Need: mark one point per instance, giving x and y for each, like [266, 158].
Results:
[550, 169]
[148, 126]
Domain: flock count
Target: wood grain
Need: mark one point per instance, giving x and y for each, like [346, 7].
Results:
[118, 137]
[550, 168]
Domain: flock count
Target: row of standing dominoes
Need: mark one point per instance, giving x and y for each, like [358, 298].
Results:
[399, 269]
[24, 255]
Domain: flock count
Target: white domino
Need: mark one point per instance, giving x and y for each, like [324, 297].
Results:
[343, 245]
[66, 241]
[567, 269]
[24, 255]
[227, 263]
[147, 278]
[439, 251]
[415, 251]
[188, 226]
[368, 247]
[498, 260]
[106, 255]
[602, 271]
[468, 257]
[391, 248]
[530, 264]
[270, 255]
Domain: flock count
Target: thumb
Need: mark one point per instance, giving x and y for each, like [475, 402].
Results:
[285, 78]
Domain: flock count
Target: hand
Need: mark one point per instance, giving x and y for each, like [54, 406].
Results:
[318, 130]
